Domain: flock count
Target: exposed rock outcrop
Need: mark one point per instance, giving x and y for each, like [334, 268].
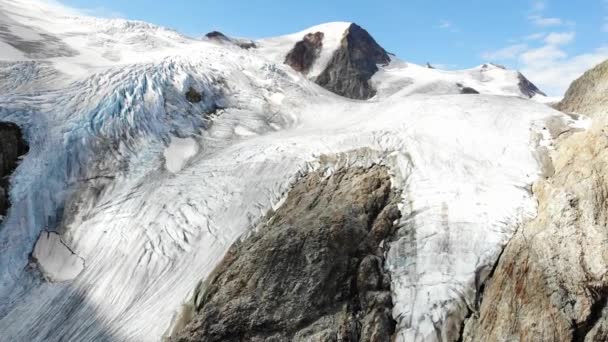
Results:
[551, 283]
[528, 88]
[305, 52]
[222, 38]
[350, 69]
[313, 271]
[12, 146]
[194, 96]
[588, 94]
[466, 90]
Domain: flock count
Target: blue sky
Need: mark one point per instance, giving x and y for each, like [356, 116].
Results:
[551, 41]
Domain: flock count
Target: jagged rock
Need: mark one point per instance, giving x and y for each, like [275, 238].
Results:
[487, 65]
[12, 146]
[466, 90]
[220, 37]
[305, 52]
[551, 283]
[216, 35]
[528, 88]
[193, 96]
[428, 65]
[588, 94]
[314, 271]
[352, 66]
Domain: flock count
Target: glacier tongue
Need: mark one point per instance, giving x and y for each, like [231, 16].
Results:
[102, 139]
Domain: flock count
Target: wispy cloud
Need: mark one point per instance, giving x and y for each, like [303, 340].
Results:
[559, 38]
[447, 25]
[541, 21]
[536, 15]
[508, 52]
[544, 59]
[535, 36]
[553, 72]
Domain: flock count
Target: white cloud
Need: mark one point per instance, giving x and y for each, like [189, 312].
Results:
[543, 54]
[546, 63]
[555, 75]
[447, 25]
[559, 38]
[552, 69]
[509, 52]
[539, 20]
[535, 36]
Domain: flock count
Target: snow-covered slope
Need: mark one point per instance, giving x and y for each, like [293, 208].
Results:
[404, 77]
[276, 48]
[407, 78]
[131, 192]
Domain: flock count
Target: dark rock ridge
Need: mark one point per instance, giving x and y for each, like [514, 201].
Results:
[313, 271]
[12, 146]
[351, 67]
[466, 90]
[220, 37]
[305, 52]
[528, 88]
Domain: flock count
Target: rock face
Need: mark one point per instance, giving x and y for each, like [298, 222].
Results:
[551, 283]
[588, 94]
[313, 271]
[350, 69]
[305, 52]
[12, 146]
[466, 90]
[222, 38]
[528, 88]
[193, 96]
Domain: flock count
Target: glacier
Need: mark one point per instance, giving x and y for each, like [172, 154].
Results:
[131, 193]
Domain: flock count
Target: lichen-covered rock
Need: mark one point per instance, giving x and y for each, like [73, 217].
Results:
[551, 283]
[588, 94]
[12, 146]
[313, 271]
[350, 69]
[305, 52]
